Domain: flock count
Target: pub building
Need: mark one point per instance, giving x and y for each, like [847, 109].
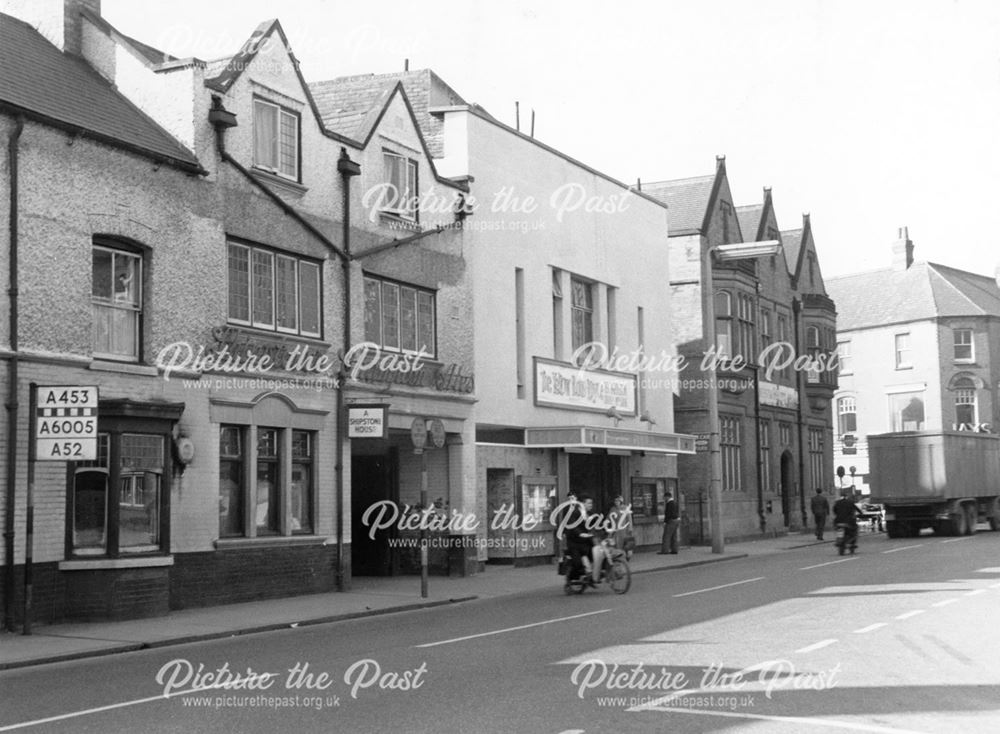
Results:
[183, 252]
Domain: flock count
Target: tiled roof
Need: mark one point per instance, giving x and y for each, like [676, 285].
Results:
[791, 241]
[351, 105]
[687, 198]
[922, 291]
[749, 217]
[60, 88]
[151, 55]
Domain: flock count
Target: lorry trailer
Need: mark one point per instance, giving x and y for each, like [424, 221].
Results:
[945, 480]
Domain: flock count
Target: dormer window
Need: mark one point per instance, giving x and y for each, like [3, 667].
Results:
[401, 177]
[275, 139]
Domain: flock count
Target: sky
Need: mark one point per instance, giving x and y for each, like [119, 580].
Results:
[869, 115]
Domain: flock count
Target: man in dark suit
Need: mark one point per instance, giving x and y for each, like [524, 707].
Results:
[671, 519]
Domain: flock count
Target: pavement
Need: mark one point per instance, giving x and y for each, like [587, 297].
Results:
[368, 596]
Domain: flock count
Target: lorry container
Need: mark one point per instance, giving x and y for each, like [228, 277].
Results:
[945, 480]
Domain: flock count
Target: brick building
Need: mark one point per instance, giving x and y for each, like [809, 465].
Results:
[775, 435]
[918, 351]
[164, 210]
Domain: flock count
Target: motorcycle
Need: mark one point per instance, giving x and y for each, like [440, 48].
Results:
[614, 570]
[847, 538]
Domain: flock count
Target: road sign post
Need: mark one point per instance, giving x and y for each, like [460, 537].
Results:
[63, 428]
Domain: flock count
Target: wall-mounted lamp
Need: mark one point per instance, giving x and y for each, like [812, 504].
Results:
[647, 418]
[612, 412]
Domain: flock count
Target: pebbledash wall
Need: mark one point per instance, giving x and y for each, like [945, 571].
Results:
[71, 199]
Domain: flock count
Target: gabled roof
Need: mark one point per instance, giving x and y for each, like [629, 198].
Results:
[750, 218]
[152, 56]
[921, 292]
[351, 105]
[688, 200]
[45, 84]
[225, 72]
[791, 241]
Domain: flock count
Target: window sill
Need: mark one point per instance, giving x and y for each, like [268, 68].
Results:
[98, 564]
[900, 367]
[283, 185]
[128, 368]
[397, 222]
[269, 541]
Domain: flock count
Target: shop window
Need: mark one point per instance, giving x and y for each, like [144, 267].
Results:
[401, 181]
[119, 504]
[582, 312]
[274, 291]
[302, 482]
[267, 492]
[536, 500]
[400, 317]
[963, 345]
[906, 411]
[275, 139]
[647, 496]
[116, 301]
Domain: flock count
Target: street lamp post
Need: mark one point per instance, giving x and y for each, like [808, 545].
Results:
[722, 253]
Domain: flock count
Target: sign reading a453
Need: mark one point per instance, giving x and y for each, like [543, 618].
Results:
[66, 423]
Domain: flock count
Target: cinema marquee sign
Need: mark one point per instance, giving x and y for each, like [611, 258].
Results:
[562, 385]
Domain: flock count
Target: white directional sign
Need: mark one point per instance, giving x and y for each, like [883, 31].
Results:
[66, 423]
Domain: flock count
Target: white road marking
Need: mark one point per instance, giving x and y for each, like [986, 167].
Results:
[817, 645]
[914, 613]
[803, 720]
[870, 628]
[956, 540]
[512, 629]
[974, 592]
[828, 563]
[987, 570]
[944, 603]
[716, 588]
[109, 707]
[995, 586]
[905, 547]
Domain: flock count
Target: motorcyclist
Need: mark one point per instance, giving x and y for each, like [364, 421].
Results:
[845, 513]
[581, 541]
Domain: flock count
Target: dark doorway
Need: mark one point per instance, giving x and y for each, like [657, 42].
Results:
[787, 485]
[597, 475]
[373, 479]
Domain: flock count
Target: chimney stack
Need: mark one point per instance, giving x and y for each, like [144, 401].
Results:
[902, 250]
[57, 20]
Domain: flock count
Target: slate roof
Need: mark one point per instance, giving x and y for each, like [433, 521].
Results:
[351, 105]
[57, 88]
[922, 291]
[791, 241]
[749, 217]
[688, 200]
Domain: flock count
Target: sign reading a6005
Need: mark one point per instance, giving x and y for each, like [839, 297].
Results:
[66, 423]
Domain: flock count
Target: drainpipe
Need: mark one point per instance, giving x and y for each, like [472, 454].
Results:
[12, 377]
[347, 170]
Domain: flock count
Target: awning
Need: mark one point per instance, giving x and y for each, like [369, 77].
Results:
[611, 439]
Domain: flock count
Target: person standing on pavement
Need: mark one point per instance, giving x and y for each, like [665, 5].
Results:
[820, 509]
[671, 519]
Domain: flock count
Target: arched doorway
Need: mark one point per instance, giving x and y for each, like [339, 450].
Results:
[787, 485]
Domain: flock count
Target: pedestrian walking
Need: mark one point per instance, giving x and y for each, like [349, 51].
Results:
[671, 519]
[820, 509]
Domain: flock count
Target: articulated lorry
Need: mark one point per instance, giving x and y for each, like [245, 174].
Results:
[945, 480]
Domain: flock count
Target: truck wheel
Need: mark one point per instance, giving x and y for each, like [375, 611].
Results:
[960, 522]
[994, 522]
[971, 518]
[892, 529]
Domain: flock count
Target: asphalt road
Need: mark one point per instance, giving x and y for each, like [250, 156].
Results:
[899, 638]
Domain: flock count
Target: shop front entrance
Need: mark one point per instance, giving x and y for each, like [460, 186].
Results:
[597, 475]
[374, 478]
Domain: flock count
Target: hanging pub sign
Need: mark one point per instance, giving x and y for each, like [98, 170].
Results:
[367, 420]
[65, 423]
